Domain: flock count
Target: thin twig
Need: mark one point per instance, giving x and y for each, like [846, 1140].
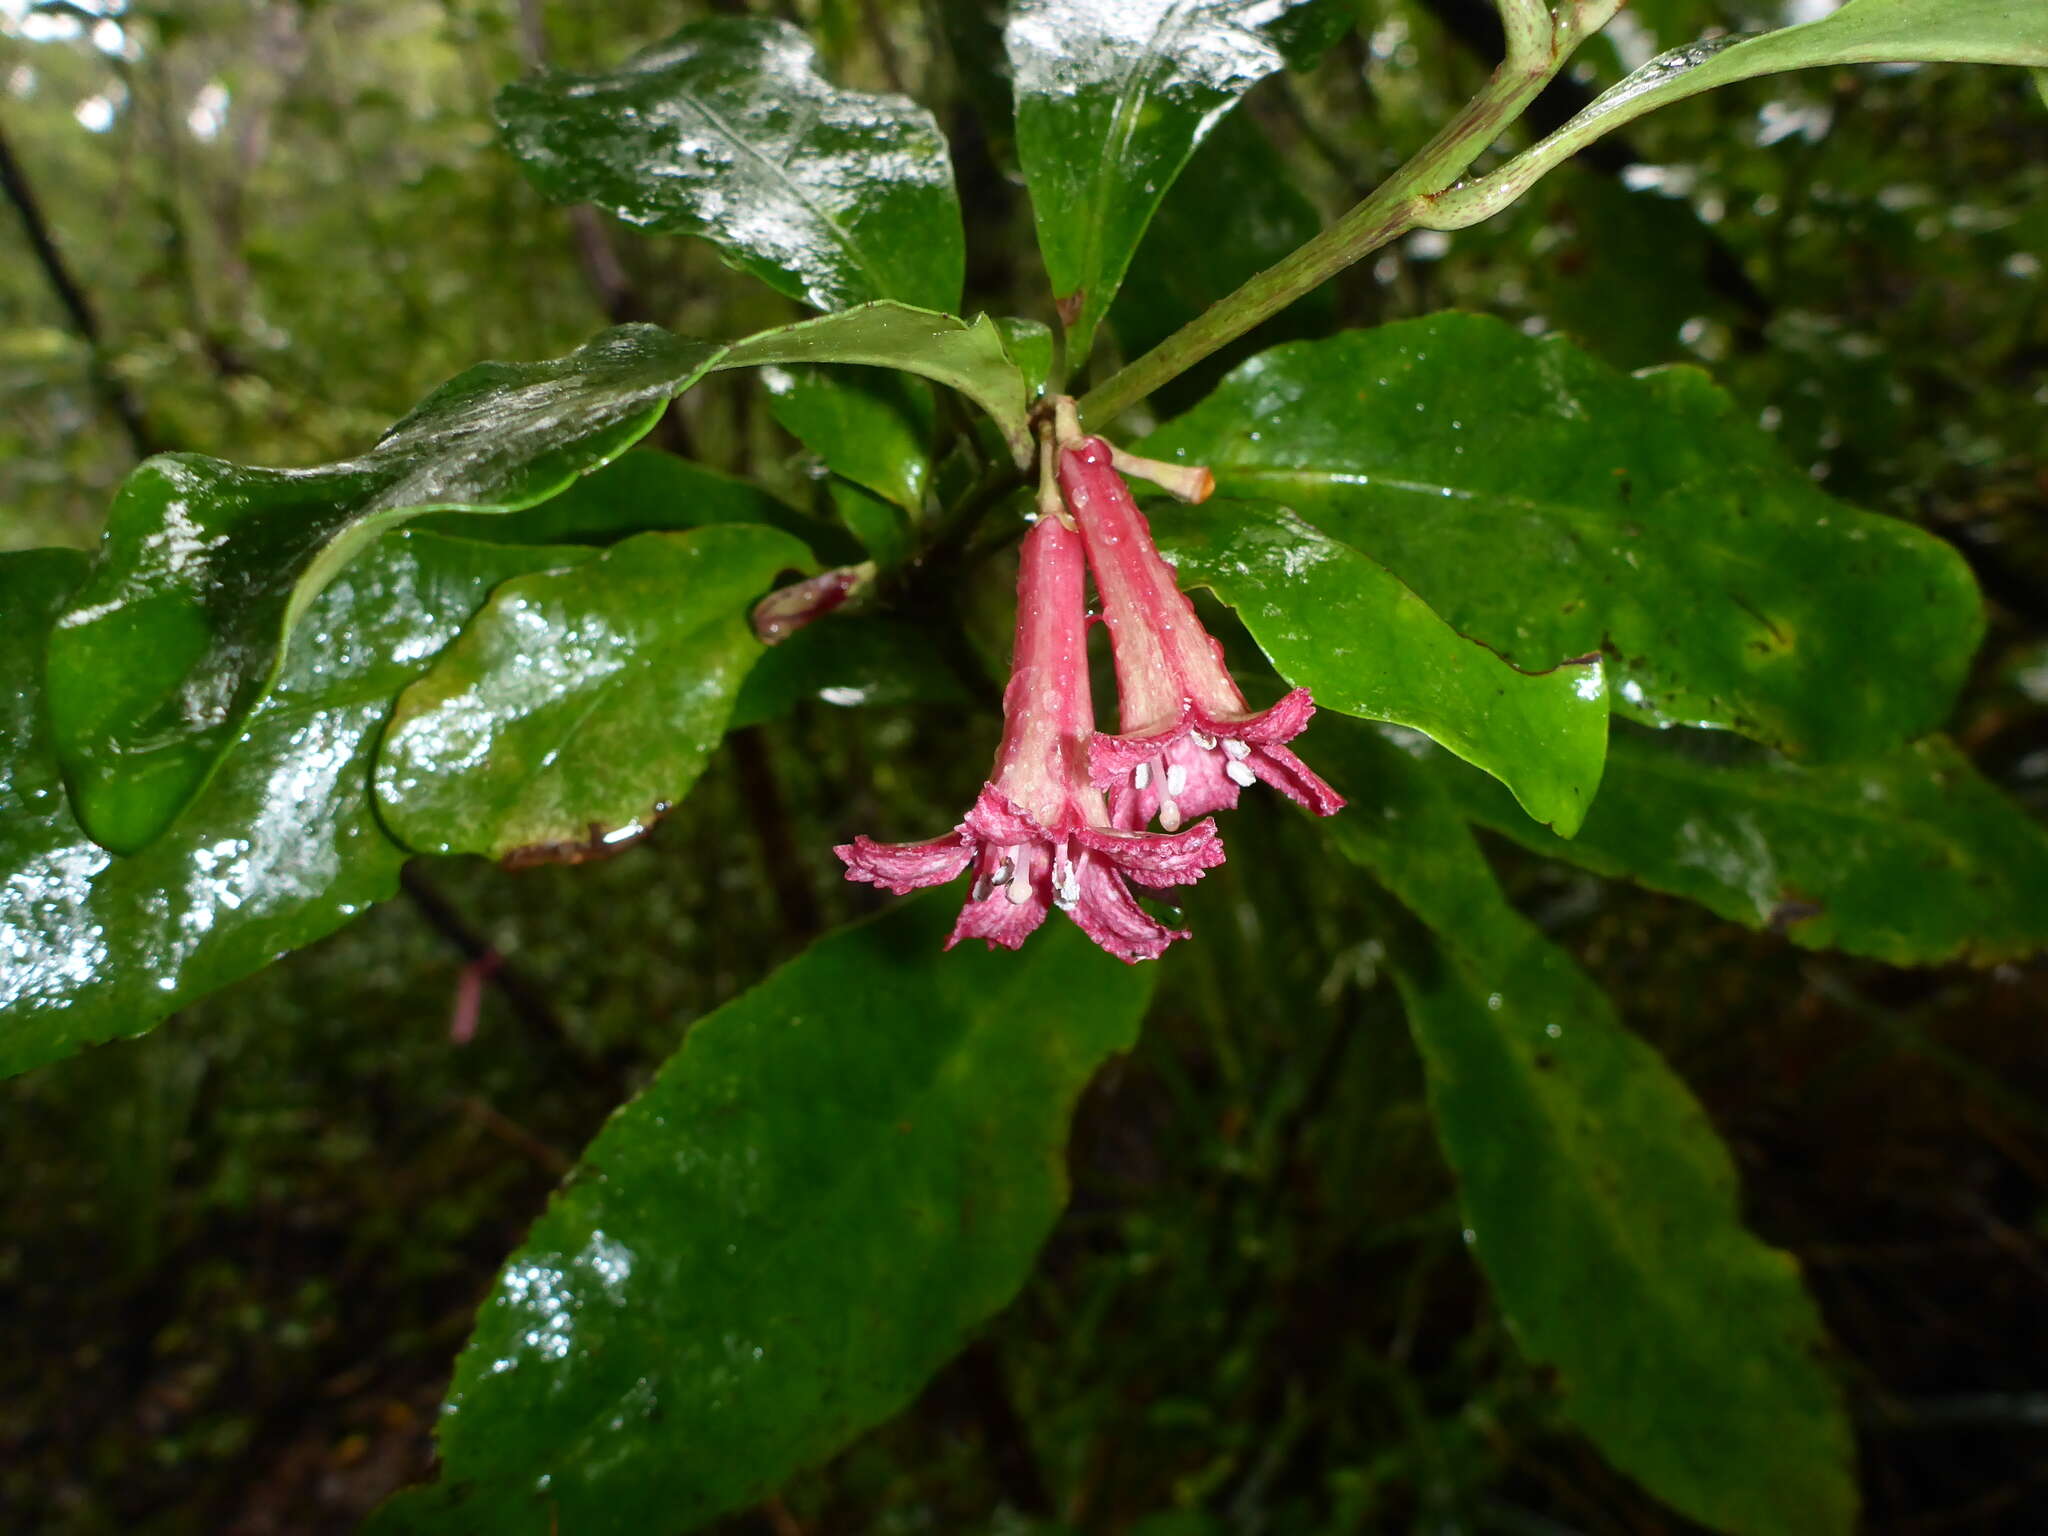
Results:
[761, 790]
[113, 390]
[528, 1002]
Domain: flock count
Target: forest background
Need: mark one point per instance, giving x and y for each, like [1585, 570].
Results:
[238, 1256]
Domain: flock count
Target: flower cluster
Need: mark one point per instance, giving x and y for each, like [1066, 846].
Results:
[1041, 834]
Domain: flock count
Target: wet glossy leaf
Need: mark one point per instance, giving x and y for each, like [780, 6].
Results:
[1910, 857]
[180, 627]
[852, 662]
[646, 491]
[1342, 626]
[1112, 98]
[1549, 506]
[884, 530]
[839, 1176]
[1860, 32]
[183, 622]
[874, 428]
[727, 131]
[1598, 1199]
[281, 848]
[971, 358]
[580, 704]
[1029, 343]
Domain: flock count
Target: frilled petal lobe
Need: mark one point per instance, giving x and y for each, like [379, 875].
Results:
[1287, 773]
[1110, 916]
[905, 867]
[996, 818]
[1281, 722]
[1006, 914]
[1157, 858]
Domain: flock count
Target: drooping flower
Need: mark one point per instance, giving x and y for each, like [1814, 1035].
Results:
[1039, 835]
[1187, 743]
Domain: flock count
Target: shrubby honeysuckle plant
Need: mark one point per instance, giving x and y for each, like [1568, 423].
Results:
[499, 632]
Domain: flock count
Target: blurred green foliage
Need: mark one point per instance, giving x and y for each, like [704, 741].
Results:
[239, 1255]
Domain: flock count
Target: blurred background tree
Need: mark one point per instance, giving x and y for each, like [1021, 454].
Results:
[239, 1255]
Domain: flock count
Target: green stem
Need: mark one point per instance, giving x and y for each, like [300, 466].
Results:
[1390, 211]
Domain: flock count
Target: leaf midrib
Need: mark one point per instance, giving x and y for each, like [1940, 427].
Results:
[777, 172]
[1577, 514]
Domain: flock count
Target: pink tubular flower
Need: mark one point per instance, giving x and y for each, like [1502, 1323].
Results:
[1039, 835]
[1188, 743]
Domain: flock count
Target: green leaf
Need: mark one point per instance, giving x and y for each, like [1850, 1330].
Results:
[281, 849]
[1860, 32]
[183, 622]
[1549, 506]
[972, 358]
[727, 131]
[1342, 626]
[884, 530]
[1598, 1199]
[872, 427]
[1029, 343]
[1909, 857]
[580, 704]
[646, 491]
[837, 1178]
[179, 629]
[1112, 98]
[857, 661]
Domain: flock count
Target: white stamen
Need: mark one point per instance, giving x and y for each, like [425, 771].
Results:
[1141, 775]
[1069, 895]
[1240, 773]
[1003, 870]
[1204, 740]
[982, 887]
[1169, 815]
[1232, 747]
[1176, 779]
[1019, 892]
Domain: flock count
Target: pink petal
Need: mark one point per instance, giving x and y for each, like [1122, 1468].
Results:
[906, 867]
[1108, 914]
[996, 818]
[1282, 722]
[1295, 779]
[1205, 786]
[998, 916]
[1158, 858]
[1112, 759]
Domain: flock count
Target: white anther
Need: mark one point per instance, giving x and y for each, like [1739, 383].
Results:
[1176, 779]
[1019, 892]
[1003, 870]
[1069, 895]
[982, 886]
[1169, 815]
[1141, 775]
[1240, 773]
[1232, 747]
[1203, 740]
